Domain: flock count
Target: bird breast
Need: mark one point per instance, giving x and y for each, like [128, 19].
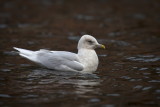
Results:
[89, 59]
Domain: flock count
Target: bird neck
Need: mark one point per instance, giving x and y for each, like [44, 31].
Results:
[84, 52]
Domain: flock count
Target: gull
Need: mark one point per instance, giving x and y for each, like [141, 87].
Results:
[85, 61]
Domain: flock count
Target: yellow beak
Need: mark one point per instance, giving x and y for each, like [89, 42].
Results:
[102, 46]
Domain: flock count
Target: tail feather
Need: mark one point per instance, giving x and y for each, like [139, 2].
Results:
[24, 51]
[31, 55]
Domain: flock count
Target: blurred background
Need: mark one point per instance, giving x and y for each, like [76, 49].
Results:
[129, 71]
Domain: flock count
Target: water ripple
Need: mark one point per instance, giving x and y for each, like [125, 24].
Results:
[144, 58]
[5, 96]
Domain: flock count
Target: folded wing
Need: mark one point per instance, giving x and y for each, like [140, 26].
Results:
[59, 60]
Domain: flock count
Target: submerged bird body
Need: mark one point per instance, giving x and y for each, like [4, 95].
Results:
[85, 60]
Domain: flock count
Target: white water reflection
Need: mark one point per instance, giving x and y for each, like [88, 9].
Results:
[82, 83]
[84, 86]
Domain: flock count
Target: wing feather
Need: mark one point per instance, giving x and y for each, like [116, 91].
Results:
[59, 60]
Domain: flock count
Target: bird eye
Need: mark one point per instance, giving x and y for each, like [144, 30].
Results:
[89, 41]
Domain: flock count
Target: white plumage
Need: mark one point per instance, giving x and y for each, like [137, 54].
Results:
[85, 60]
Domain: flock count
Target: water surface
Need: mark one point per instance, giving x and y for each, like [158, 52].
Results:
[129, 71]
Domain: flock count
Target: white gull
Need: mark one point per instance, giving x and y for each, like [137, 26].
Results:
[85, 61]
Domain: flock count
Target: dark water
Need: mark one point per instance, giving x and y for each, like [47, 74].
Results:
[129, 71]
